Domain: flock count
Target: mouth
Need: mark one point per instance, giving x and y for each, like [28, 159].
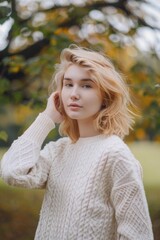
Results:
[74, 105]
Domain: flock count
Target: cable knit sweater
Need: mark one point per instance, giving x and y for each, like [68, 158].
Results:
[94, 189]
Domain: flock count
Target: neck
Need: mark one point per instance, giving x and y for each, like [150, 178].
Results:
[87, 129]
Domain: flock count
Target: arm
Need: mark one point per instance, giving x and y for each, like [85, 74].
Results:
[25, 164]
[128, 199]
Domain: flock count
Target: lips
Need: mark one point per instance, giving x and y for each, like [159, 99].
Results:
[74, 105]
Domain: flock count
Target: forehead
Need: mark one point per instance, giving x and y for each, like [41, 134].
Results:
[77, 72]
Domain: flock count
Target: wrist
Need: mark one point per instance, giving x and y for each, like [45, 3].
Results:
[48, 115]
[55, 116]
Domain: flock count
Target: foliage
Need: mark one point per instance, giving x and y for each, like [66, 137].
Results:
[3, 135]
[40, 31]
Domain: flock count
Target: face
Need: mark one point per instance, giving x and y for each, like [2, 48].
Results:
[81, 97]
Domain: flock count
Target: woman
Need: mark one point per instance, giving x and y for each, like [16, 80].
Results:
[93, 183]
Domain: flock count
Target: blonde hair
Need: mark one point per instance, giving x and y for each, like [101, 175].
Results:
[115, 117]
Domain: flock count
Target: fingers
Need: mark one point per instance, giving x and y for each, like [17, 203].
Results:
[53, 107]
[57, 101]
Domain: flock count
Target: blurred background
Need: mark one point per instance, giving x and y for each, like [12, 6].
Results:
[32, 35]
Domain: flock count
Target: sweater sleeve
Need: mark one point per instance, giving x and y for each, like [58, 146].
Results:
[128, 198]
[25, 164]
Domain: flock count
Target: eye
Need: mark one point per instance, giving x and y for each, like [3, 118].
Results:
[68, 85]
[86, 86]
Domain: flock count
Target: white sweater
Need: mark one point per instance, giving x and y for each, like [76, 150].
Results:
[94, 189]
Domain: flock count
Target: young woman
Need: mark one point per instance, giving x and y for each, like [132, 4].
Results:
[94, 188]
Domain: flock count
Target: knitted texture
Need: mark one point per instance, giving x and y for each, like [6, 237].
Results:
[94, 188]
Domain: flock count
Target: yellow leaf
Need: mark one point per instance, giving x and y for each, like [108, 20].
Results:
[14, 69]
[140, 134]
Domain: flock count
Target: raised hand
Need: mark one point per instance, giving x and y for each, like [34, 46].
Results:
[52, 108]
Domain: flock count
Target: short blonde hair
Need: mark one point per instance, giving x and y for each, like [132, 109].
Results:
[116, 116]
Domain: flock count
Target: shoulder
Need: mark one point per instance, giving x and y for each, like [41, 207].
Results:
[114, 140]
[55, 147]
[117, 147]
[119, 155]
[61, 142]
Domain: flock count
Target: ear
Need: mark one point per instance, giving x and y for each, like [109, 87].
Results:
[104, 104]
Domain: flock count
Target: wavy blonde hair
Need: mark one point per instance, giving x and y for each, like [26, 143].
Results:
[116, 116]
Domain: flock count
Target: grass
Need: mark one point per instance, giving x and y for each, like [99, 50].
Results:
[19, 208]
[19, 212]
[148, 153]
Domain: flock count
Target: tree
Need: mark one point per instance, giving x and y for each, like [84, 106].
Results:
[39, 32]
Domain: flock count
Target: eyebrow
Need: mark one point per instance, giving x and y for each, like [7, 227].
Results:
[83, 79]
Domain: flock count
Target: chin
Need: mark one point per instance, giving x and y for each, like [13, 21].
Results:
[74, 117]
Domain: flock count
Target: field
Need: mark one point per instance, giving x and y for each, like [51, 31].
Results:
[19, 208]
[148, 153]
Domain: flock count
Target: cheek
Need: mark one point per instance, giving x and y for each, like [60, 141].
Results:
[97, 100]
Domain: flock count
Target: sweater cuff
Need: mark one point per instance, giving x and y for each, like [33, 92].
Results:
[39, 129]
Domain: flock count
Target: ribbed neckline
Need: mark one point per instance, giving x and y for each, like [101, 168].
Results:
[91, 139]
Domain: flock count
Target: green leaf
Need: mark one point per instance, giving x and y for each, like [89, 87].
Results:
[3, 136]
[4, 85]
[5, 12]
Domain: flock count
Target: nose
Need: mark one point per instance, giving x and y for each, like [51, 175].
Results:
[75, 94]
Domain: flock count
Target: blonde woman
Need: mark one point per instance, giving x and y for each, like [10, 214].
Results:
[94, 188]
